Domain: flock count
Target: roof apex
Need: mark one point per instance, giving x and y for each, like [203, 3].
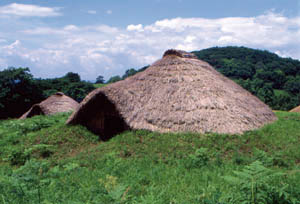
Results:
[180, 53]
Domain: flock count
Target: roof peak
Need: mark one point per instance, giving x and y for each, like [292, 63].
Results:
[59, 94]
[180, 53]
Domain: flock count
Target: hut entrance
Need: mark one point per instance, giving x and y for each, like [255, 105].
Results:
[113, 125]
[103, 118]
[35, 110]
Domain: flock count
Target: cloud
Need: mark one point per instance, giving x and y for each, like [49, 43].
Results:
[45, 31]
[71, 28]
[109, 12]
[28, 10]
[92, 12]
[106, 29]
[138, 28]
[11, 48]
[102, 49]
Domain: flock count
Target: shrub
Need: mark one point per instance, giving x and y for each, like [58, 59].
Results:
[18, 157]
[197, 160]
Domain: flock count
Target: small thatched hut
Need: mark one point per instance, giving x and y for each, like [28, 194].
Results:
[56, 103]
[178, 93]
[295, 110]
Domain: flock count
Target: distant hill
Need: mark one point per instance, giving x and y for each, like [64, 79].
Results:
[275, 80]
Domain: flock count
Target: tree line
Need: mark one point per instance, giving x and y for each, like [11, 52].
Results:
[19, 90]
[128, 73]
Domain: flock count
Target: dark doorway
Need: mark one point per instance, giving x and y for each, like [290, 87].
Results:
[35, 110]
[101, 116]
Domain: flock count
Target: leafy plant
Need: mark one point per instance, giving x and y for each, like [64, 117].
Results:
[256, 184]
[18, 157]
[199, 159]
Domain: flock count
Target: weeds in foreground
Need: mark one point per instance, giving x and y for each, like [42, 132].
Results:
[49, 162]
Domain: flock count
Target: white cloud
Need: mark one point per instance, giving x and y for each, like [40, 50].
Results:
[46, 31]
[12, 46]
[106, 29]
[28, 10]
[138, 27]
[109, 12]
[71, 28]
[92, 12]
[107, 50]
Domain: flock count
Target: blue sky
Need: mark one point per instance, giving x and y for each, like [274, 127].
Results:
[106, 37]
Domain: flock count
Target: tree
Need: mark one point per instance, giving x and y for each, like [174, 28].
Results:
[114, 79]
[129, 72]
[293, 85]
[18, 92]
[100, 80]
[78, 90]
[266, 94]
[72, 77]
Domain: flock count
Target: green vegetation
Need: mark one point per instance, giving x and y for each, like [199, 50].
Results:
[260, 72]
[44, 161]
[70, 84]
[99, 80]
[19, 90]
[99, 85]
[128, 73]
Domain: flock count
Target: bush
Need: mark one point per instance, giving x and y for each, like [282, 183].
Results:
[18, 157]
[197, 160]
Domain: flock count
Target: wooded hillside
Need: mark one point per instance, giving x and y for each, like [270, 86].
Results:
[275, 80]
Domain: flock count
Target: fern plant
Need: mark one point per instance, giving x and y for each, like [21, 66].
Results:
[254, 185]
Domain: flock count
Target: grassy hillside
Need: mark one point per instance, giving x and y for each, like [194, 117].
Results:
[44, 161]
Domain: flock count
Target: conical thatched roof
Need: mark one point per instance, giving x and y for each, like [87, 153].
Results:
[296, 110]
[54, 104]
[178, 93]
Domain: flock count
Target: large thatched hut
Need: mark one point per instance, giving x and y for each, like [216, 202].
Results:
[295, 110]
[178, 93]
[56, 103]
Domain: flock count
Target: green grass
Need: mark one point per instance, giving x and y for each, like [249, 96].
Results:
[99, 85]
[44, 161]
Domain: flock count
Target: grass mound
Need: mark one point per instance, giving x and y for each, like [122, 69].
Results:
[41, 137]
[44, 161]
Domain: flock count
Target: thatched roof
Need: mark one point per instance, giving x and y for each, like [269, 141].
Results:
[295, 110]
[56, 103]
[178, 93]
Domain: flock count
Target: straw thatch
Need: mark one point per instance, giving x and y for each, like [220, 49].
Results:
[178, 93]
[54, 104]
[295, 110]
